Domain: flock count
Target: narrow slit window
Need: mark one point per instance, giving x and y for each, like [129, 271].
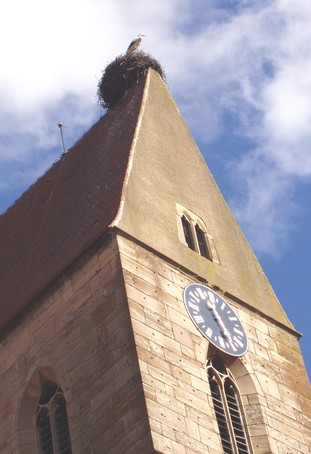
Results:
[187, 232]
[202, 243]
[52, 423]
[228, 409]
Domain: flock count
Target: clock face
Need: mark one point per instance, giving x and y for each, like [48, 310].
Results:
[215, 319]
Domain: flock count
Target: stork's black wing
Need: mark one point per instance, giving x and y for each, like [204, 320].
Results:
[132, 44]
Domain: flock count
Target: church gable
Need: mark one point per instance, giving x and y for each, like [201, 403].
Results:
[168, 171]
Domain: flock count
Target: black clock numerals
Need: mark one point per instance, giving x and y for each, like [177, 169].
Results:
[215, 319]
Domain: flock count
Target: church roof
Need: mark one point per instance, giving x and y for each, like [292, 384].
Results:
[67, 209]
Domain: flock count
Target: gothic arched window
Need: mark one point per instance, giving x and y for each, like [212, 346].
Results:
[52, 428]
[188, 232]
[202, 242]
[193, 233]
[228, 409]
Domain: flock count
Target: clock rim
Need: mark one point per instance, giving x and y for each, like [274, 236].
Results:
[203, 334]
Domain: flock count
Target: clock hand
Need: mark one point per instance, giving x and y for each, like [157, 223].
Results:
[226, 333]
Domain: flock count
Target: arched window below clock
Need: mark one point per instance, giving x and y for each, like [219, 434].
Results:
[52, 430]
[228, 409]
[193, 233]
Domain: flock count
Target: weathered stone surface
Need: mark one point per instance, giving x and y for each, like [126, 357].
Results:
[80, 335]
[175, 382]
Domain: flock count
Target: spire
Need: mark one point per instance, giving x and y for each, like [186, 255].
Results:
[167, 170]
[131, 170]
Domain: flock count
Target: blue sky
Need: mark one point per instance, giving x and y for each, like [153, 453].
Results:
[240, 72]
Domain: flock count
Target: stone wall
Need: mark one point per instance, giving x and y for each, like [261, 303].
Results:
[114, 333]
[172, 356]
[78, 334]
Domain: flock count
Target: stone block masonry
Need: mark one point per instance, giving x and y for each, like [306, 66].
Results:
[114, 333]
[172, 355]
[79, 334]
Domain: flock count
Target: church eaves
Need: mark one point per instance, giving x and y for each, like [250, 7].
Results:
[67, 209]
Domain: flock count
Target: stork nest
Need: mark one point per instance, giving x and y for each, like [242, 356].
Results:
[123, 72]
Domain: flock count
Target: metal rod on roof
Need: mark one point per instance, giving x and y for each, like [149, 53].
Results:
[61, 126]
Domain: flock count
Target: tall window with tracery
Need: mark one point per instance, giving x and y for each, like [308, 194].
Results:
[228, 409]
[52, 428]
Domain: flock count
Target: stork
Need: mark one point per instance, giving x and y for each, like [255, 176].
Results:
[134, 44]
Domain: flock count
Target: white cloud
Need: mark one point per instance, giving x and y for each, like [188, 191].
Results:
[264, 203]
[257, 66]
[251, 59]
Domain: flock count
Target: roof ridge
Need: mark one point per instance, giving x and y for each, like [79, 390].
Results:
[132, 150]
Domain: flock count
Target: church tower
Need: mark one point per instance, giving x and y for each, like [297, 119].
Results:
[135, 318]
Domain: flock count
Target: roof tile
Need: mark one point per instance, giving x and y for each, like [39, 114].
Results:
[67, 209]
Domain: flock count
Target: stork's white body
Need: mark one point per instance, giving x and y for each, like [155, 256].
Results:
[135, 44]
